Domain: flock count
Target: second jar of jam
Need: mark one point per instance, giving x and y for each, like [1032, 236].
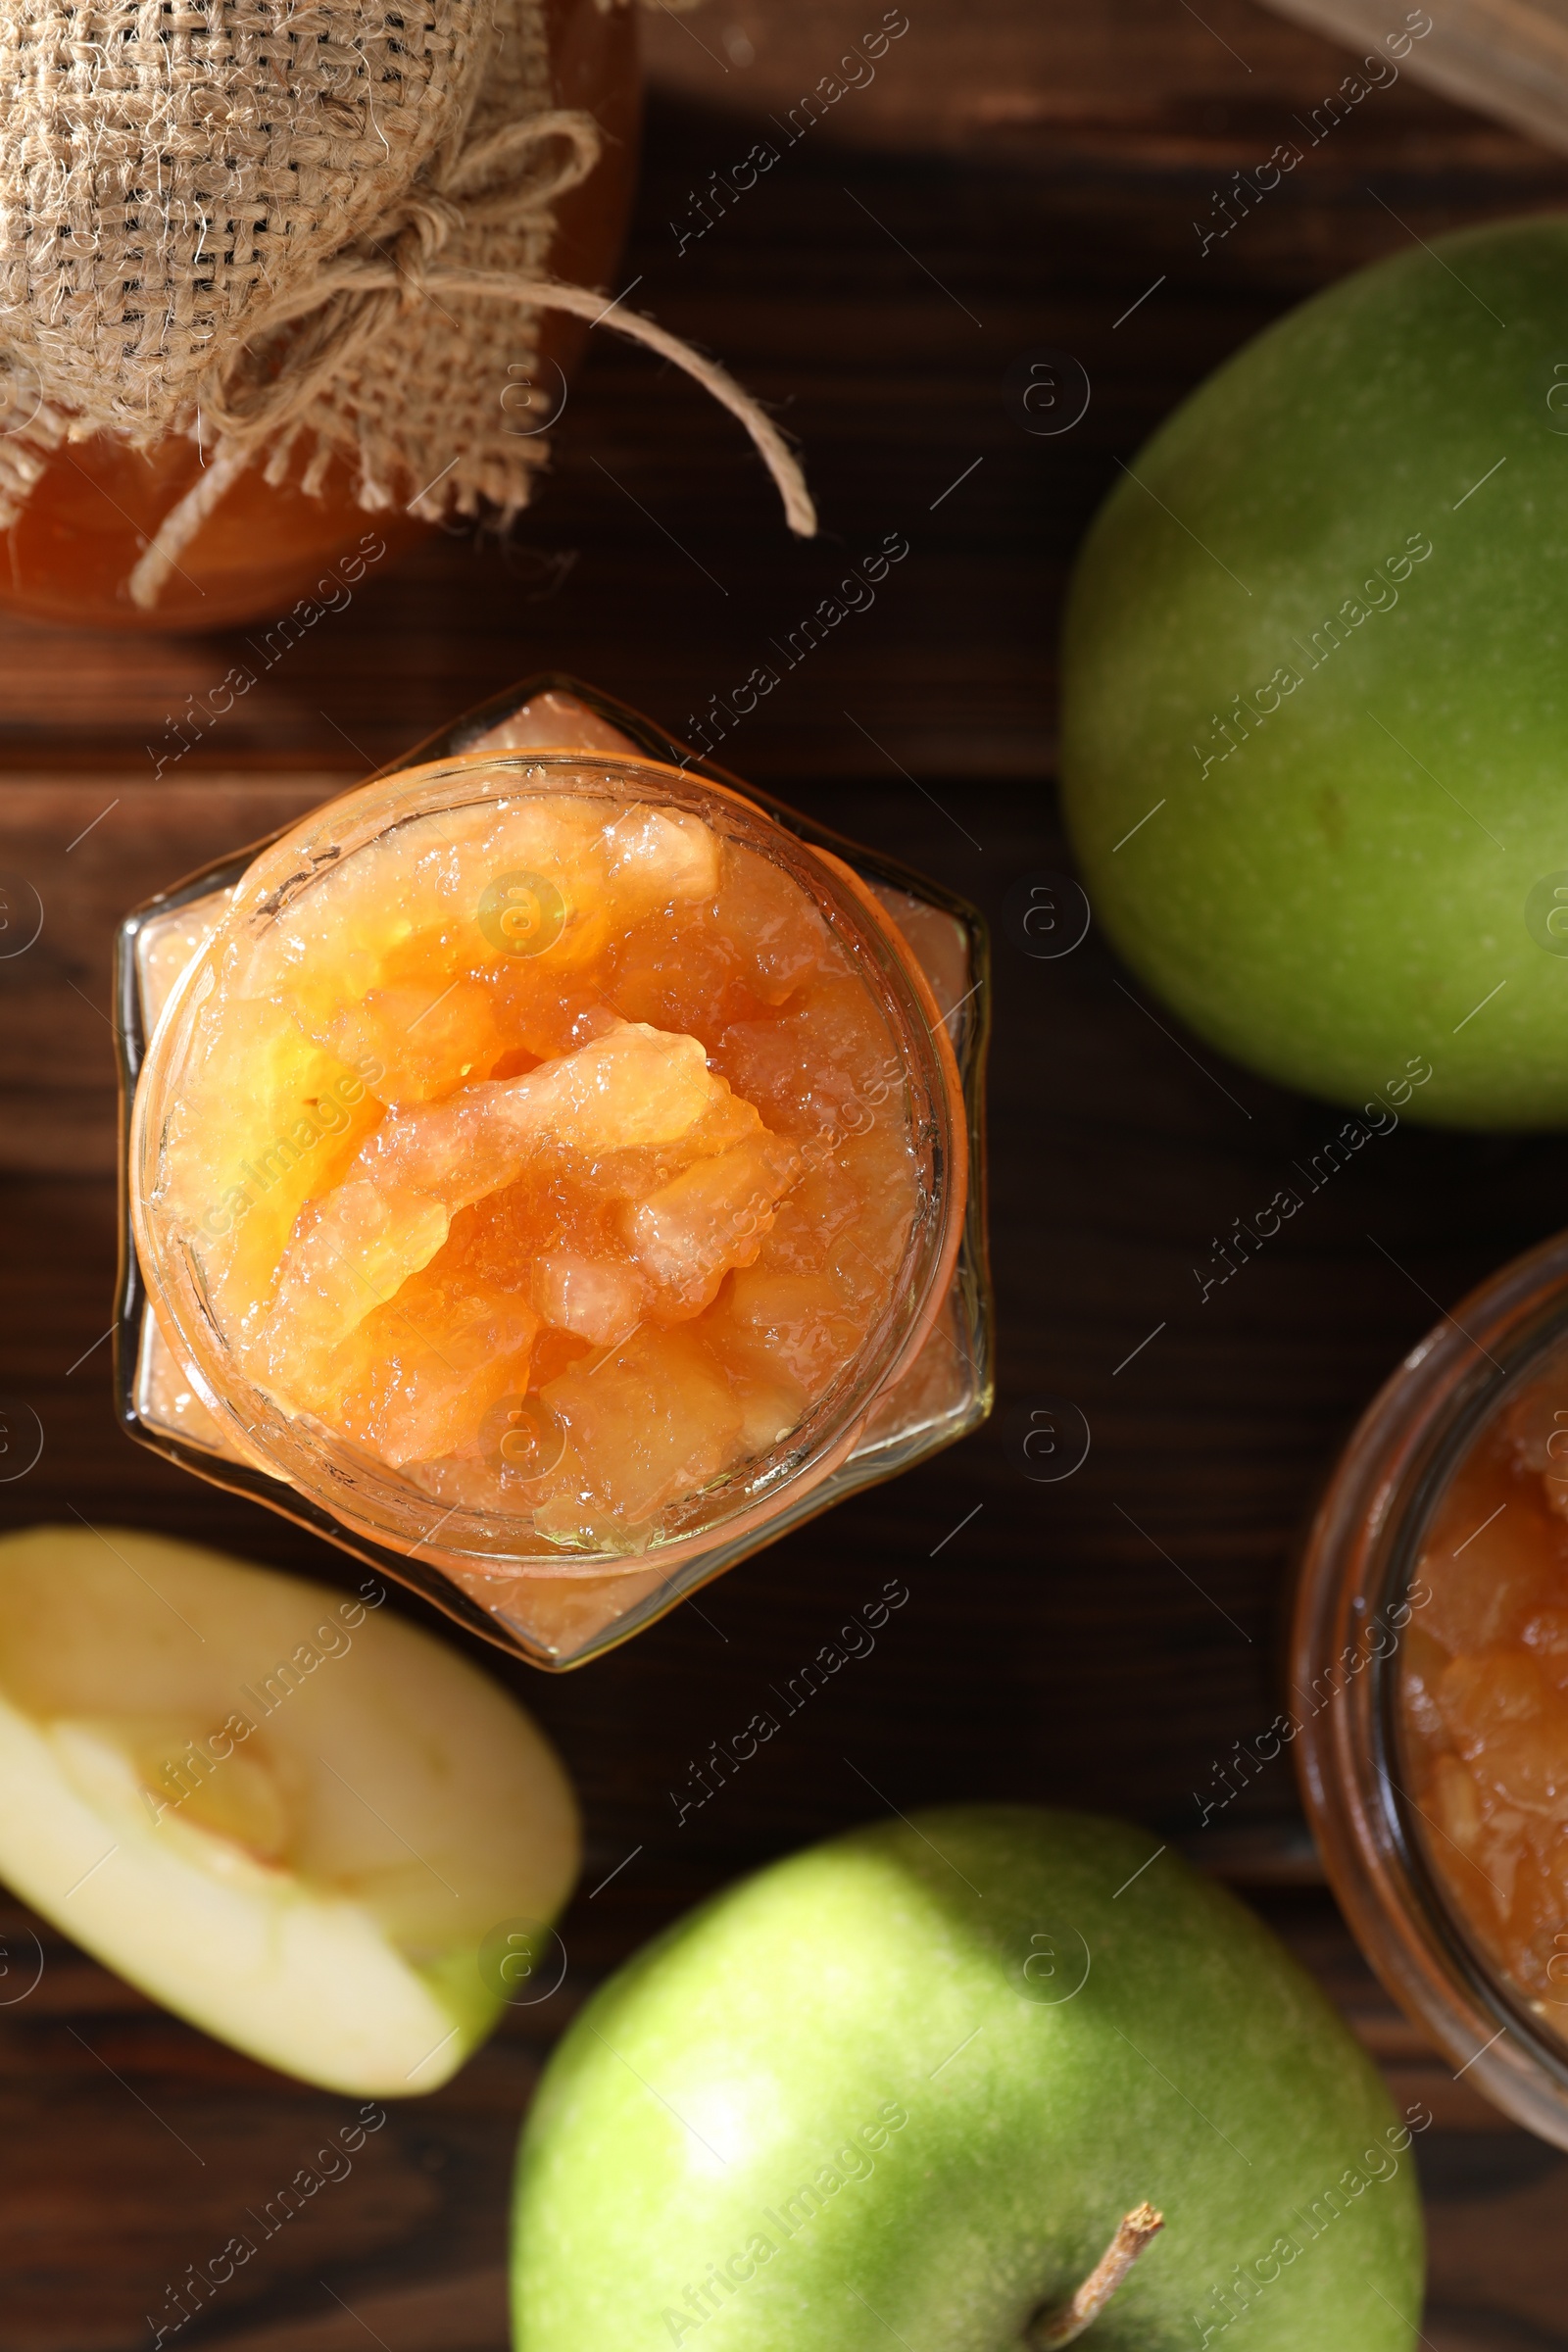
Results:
[1429, 1687]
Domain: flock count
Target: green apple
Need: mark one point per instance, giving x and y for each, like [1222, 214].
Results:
[1315, 691]
[287, 1817]
[903, 2088]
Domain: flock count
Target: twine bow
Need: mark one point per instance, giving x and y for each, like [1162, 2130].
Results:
[263, 394]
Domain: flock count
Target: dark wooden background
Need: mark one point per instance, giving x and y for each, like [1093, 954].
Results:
[1015, 178]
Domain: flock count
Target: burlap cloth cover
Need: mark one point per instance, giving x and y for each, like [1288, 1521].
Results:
[295, 231]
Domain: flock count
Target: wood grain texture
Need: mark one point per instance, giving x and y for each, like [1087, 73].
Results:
[1014, 178]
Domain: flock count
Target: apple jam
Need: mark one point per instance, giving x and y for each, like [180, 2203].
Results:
[1484, 1692]
[548, 1148]
[96, 503]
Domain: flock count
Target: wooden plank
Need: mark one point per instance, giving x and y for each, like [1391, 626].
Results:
[80, 851]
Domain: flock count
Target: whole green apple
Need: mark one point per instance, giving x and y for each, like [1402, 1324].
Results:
[902, 2088]
[1315, 691]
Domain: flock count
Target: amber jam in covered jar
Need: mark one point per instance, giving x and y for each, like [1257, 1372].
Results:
[554, 1171]
[73, 551]
[1431, 1668]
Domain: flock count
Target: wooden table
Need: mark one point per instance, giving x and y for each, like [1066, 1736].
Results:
[1008, 182]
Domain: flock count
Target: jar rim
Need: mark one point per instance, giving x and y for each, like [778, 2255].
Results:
[364, 1493]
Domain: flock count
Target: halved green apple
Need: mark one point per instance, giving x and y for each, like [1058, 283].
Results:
[287, 1817]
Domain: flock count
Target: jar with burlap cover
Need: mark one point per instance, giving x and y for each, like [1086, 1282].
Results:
[298, 232]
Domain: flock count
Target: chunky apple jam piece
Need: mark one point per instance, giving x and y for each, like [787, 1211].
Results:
[550, 1149]
[1484, 1693]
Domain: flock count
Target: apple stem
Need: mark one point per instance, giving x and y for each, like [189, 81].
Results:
[1133, 2233]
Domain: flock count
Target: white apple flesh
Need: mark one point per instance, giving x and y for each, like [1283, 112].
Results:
[282, 1813]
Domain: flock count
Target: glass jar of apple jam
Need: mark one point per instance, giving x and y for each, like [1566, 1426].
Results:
[1429, 1685]
[98, 503]
[549, 1172]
